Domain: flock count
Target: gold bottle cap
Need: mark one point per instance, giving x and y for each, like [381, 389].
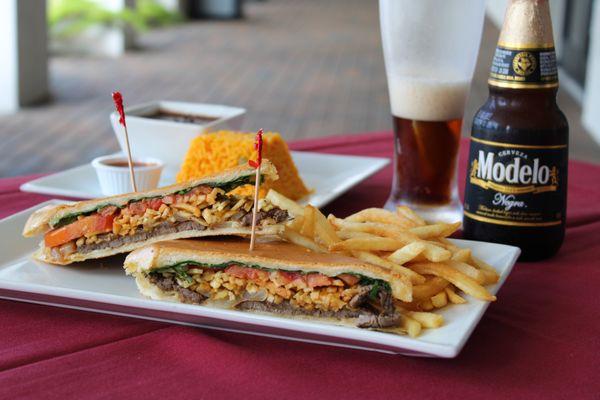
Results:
[525, 57]
[527, 25]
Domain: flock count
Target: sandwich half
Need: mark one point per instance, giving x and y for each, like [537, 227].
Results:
[119, 224]
[277, 277]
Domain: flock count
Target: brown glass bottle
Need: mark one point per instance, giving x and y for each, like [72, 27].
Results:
[517, 174]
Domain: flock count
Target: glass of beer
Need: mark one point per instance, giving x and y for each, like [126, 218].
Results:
[430, 48]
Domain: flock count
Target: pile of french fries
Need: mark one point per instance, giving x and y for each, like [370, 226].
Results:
[434, 272]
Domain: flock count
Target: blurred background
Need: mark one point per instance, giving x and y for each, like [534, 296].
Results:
[305, 68]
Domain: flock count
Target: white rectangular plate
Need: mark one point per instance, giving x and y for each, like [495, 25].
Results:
[329, 175]
[102, 286]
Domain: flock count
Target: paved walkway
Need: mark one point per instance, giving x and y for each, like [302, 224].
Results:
[305, 68]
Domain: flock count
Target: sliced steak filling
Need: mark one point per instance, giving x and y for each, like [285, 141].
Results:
[276, 214]
[110, 240]
[366, 318]
[169, 284]
[288, 309]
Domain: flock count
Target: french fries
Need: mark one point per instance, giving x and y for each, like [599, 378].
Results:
[375, 228]
[435, 230]
[453, 297]
[427, 319]
[410, 215]
[375, 259]
[412, 326]
[432, 271]
[323, 229]
[297, 238]
[284, 203]
[407, 252]
[366, 243]
[458, 279]
[308, 227]
[430, 288]
[379, 215]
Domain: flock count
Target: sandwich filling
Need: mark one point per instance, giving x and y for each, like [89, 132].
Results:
[199, 208]
[250, 287]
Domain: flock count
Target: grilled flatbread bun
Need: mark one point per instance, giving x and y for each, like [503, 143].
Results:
[272, 255]
[42, 220]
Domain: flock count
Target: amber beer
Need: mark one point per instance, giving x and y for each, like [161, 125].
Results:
[426, 160]
[516, 186]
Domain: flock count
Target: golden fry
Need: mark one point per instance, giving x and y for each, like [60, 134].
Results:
[367, 243]
[323, 229]
[427, 319]
[412, 327]
[296, 238]
[462, 255]
[407, 253]
[447, 244]
[435, 253]
[468, 270]
[430, 288]
[375, 259]
[458, 279]
[284, 203]
[410, 215]
[490, 273]
[426, 305]
[296, 223]
[308, 227]
[344, 234]
[439, 300]
[375, 228]
[435, 230]
[453, 297]
[378, 215]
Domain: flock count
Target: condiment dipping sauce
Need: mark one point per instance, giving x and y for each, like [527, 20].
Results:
[180, 117]
[113, 174]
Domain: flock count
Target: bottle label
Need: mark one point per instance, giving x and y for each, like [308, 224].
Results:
[516, 184]
[523, 67]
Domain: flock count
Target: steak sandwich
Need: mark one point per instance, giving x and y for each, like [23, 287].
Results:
[104, 227]
[276, 277]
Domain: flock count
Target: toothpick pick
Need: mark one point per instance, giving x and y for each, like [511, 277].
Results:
[118, 100]
[256, 164]
[254, 209]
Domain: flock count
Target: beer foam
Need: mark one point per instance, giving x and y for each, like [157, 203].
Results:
[428, 99]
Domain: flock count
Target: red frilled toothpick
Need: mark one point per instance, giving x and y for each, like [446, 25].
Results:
[118, 100]
[256, 165]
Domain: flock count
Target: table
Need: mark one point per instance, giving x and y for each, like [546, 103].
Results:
[541, 339]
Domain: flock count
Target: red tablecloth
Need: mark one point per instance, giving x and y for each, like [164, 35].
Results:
[541, 339]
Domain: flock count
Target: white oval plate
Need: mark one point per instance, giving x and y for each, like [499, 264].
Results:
[102, 286]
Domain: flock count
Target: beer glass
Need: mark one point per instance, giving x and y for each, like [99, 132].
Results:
[430, 48]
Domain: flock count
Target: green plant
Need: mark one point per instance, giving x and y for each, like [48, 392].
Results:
[154, 14]
[67, 18]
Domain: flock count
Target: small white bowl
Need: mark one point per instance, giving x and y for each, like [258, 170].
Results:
[115, 179]
[170, 140]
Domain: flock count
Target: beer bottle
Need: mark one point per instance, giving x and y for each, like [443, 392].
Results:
[516, 189]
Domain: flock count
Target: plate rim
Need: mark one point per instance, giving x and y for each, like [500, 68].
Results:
[377, 164]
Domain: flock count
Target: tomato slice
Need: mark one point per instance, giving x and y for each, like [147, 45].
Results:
[349, 279]
[138, 208]
[154, 204]
[289, 277]
[92, 224]
[252, 274]
[316, 279]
